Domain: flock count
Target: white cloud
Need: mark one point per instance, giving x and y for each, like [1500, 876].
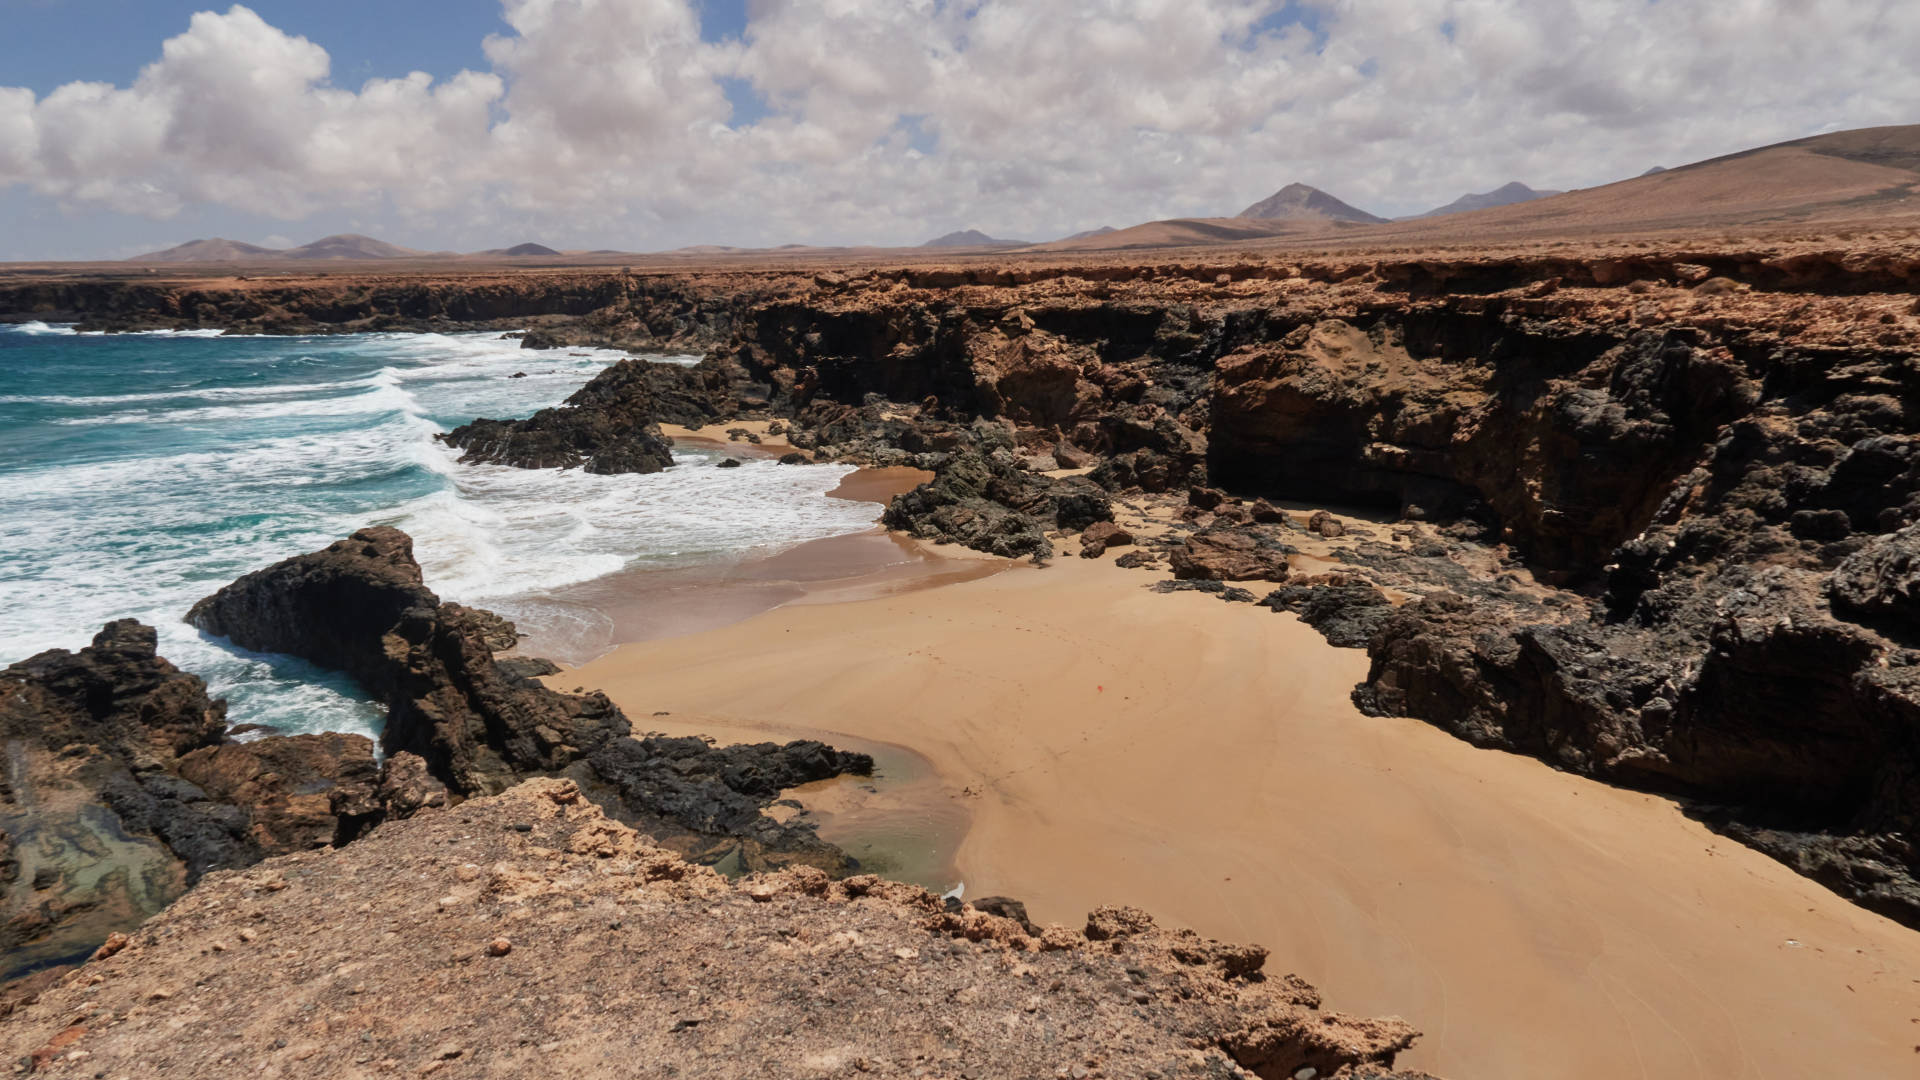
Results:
[607, 122]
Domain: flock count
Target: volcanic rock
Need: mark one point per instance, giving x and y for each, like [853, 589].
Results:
[988, 503]
[1100, 536]
[478, 725]
[1230, 555]
[301, 791]
[123, 792]
[90, 803]
[1882, 579]
[1326, 525]
[1347, 615]
[608, 426]
[360, 606]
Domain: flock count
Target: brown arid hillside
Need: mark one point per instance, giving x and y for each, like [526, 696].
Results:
[1188, 232]
[1870, 175]
[1842, 182]
[1872, 172]
[528, 935]
[1301, 201]
[346, 247]
[215, 250]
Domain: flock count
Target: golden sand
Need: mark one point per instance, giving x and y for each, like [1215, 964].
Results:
[1202, 760]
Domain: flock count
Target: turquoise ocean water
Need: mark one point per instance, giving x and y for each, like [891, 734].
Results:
[140, 472]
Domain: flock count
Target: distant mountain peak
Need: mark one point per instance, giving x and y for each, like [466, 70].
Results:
[341, 247]
[1301, 201]
[971, 238]
[213, 249]
[1506, 194]
[347, 246]
[529, 249]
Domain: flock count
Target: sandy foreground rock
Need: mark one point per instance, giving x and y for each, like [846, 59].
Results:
[526, 934]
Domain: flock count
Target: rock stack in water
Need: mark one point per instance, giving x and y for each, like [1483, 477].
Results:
[482, 724]
[610, 425]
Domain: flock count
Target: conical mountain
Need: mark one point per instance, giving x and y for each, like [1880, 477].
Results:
[1301, 201]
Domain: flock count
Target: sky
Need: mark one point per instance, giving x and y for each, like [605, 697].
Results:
[130, 125]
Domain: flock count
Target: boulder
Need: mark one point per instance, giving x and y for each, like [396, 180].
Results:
[1265, 513]
[406, 787]
[1882, 579]
[1328, 526]
[1100, 536]
[300, 791]
[1230, 555]
[985, 501]
[1068, 456]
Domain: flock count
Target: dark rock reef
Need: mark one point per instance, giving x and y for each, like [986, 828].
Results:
[122, 789]
[481, 724]
[990, 503]
[607, 426]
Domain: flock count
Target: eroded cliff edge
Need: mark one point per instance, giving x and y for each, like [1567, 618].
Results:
[527, 934]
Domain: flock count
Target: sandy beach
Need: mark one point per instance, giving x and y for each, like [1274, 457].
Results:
[581, 622]
[1202, 760]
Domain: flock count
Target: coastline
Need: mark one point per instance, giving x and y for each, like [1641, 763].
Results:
[899, 822]
[646, 604]
[1652, 972]
[1108, 744]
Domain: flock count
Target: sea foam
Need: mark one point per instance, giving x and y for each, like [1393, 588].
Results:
[142, 473]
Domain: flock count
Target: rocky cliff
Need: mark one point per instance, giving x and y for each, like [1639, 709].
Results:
[528, 935]
[1653, 506]
[1655, 532]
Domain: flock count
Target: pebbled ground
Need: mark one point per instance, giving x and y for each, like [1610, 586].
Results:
[527, 935]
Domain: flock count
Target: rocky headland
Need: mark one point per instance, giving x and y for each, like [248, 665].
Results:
[1651, 505]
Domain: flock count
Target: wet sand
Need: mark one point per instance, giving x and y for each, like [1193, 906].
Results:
[1202, 760]
[577, 623]
[714, 437]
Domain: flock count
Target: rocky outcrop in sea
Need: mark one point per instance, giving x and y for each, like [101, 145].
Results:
[481, 723]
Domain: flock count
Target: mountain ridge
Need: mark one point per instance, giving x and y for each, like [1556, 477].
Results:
[1505, 195]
